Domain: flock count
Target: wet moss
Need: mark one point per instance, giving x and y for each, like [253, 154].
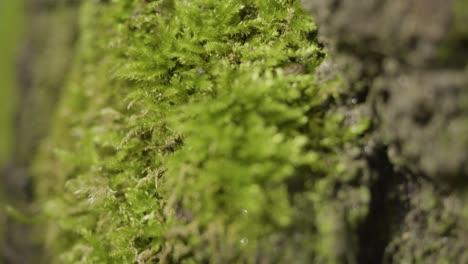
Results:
[184, 135]
[218, 131]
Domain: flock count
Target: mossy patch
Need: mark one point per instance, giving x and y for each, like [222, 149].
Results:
[194, 132]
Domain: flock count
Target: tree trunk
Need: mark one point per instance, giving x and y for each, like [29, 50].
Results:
[406, 62]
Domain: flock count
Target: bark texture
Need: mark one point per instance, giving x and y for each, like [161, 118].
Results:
[404, 63]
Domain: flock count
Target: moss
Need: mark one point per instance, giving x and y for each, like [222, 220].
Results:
[213, 131]
[184, 136]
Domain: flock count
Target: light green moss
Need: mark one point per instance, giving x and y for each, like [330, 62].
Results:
[184, 136]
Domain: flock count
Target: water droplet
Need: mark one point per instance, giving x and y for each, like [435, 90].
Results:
[244, 241]
[244, 212]
[354, 101]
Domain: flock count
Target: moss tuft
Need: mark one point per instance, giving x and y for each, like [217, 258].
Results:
[194, 132]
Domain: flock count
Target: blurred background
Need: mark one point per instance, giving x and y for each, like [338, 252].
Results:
[32, 33]
[11, 29]
[11, 32]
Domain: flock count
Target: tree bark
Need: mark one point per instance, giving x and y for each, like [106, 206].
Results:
[405, 62]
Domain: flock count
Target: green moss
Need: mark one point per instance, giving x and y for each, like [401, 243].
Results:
[184, 136]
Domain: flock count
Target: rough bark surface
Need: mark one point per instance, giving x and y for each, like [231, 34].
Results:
[405, 63]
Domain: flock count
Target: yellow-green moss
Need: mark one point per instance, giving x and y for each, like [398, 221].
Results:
[183, 136]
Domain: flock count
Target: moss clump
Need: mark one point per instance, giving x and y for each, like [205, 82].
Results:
[195, 131]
